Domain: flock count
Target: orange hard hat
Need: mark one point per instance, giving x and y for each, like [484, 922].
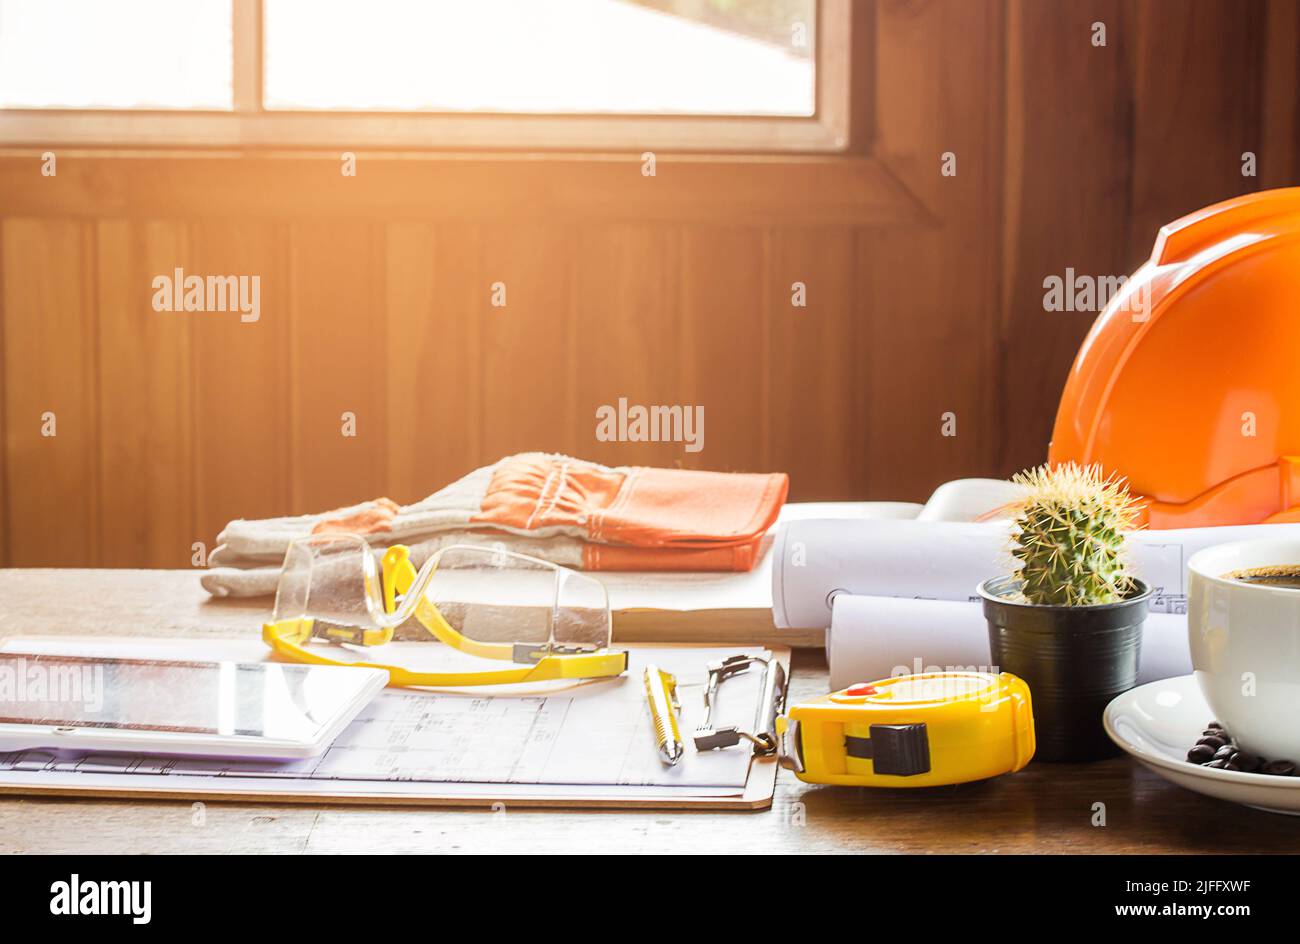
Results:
[1188, 383]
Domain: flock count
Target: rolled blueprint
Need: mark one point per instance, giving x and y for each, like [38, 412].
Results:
[877, 637]
[814, 560]
[936, 560]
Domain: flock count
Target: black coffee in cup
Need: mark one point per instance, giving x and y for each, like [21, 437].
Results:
[1274, 575]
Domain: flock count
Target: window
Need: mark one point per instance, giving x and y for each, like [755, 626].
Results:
[133, 54]
[538, 56]
[689, 74]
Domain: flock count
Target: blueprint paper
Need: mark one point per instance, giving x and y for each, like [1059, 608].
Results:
[877, 637]
[814, 560]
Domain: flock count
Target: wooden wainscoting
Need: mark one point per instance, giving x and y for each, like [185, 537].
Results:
[924, 292]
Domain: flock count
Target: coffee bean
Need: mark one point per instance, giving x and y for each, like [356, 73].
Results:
[1216, 748]
[1245, 761]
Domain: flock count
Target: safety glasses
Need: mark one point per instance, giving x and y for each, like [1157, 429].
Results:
[485, 605]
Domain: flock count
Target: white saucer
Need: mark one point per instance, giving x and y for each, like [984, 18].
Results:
[1158, 723]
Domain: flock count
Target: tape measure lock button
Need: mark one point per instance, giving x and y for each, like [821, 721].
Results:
[897, 750]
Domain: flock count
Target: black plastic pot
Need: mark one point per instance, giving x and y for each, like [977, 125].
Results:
[1075, 659]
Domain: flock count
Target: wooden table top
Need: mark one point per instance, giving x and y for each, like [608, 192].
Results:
[1046, 808]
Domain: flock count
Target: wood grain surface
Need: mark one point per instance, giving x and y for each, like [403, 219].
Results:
[1046, 808]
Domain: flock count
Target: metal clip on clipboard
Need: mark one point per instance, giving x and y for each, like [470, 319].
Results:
[763, 737]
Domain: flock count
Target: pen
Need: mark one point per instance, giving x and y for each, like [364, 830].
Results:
[661, 693]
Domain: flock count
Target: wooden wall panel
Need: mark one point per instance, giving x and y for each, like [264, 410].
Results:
[627, 332]
[50, 367]
[337, 355]
[1197, 93]
[145, 396]
[527, 375]
[240, 377]
[1069, 133]
[1280, 94]
[926, 356]
[435, 312]
[928, 296]
[722, 347]
[5, 529]
[815, 404]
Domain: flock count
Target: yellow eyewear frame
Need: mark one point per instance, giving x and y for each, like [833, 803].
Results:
[537, 662]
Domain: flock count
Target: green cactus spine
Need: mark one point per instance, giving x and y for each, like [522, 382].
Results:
[1069, 536]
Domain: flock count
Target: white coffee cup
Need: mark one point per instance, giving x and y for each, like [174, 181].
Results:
[1245, 642]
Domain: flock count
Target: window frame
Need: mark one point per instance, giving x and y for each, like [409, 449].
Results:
[249, 125]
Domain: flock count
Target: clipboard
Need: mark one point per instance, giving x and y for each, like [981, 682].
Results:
[85, 777]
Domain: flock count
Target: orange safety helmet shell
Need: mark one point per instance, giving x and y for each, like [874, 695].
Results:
[1188, 384]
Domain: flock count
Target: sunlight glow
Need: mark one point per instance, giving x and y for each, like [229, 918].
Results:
[119, 54]
[533, 56]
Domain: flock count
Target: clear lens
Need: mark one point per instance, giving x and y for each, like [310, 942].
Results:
[485, 595]
[494, 596]
[582, 616]
[330, 577]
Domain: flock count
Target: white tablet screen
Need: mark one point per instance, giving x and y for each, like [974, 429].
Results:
[267, 700]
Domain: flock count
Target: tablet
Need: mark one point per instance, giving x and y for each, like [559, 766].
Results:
[262, 710]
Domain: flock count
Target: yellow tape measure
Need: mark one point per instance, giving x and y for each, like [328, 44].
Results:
[912, 731]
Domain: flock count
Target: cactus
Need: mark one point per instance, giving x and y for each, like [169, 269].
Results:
[1068, 538]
